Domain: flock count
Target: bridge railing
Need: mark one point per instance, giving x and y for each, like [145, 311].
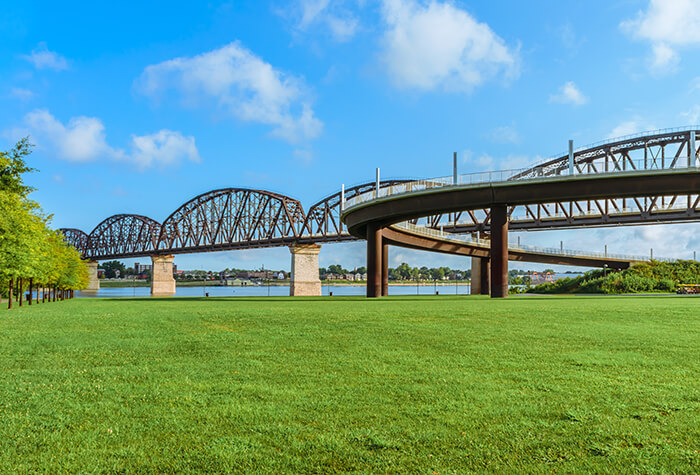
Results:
[535, 173]
[461, 238]
[628, 137]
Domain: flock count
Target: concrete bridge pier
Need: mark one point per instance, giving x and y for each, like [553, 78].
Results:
[375, 252]
[93, 284]
[499, 251]
[305, 280]
[162, 280]
[480, 282]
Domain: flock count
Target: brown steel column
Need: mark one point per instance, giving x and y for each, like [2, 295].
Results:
[484, 276]
[499, 251]
[374, 261]
[385, 269]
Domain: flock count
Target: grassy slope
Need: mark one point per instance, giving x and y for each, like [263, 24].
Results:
[400, 385]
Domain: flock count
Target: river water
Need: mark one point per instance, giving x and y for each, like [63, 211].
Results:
[278, 291]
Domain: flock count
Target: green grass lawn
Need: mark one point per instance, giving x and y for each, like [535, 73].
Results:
[403, 385]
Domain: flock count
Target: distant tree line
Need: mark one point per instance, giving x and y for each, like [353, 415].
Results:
[402, 272]
[32, 255]
[405, 272]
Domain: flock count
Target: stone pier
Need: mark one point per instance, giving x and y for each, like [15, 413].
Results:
[162, 280]
[480, 281]
[305, 280]
[93, 284]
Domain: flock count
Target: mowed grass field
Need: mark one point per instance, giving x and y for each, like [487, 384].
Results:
[399, 385]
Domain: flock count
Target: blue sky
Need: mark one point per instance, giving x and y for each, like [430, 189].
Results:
[139, 108]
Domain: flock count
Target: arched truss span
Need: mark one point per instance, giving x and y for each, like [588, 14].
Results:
[76, 238]
[123, 235]
[323, 218]
[232, 218]
[652, 151]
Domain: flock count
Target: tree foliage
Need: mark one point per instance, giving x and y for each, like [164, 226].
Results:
[13, 166]
[111, 269]
[651, 276]
[29, 249]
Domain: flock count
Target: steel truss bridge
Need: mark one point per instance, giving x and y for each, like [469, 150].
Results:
[649, 166]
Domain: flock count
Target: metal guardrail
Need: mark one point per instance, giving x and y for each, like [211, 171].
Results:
[625, 138]
[461, 238]
[504, 176]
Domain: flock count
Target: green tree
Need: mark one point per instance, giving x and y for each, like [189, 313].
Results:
[13, 166]
[336, 269]
[403, 271]
[111, 268]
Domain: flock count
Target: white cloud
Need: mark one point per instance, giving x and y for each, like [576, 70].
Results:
[83, 139]
[311, 10]
[691, 116]
[631, 126]
[439, 45]
[569, 93]
[628, 127]
[475, 164]
[664, 59]
[515, 162]
[248, 87]
[21, 93]
[165, 147]
[667, 24]
[331, 15]
[505, 134]
[487, 163]
[42, 58]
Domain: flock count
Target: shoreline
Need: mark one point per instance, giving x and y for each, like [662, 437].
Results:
[110, 284]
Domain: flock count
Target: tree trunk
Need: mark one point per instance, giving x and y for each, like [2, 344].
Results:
[9, 300]
[29, 300]
[19, 291]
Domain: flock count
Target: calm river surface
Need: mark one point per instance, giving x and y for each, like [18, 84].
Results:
[278, 291]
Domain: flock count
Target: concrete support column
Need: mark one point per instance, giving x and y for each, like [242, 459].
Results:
[480, 282]
[305, 280]
[385, 269]
[162, 280]
[93, 282]
[499, 251]
[374, 261]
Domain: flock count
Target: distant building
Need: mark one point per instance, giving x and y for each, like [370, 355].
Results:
[236, 282]
[140, 269]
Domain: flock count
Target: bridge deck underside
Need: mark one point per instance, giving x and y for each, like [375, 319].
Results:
[400, 237]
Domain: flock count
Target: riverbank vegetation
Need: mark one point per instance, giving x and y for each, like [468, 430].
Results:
[573, 384]
[32, 255]
[654, 276]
